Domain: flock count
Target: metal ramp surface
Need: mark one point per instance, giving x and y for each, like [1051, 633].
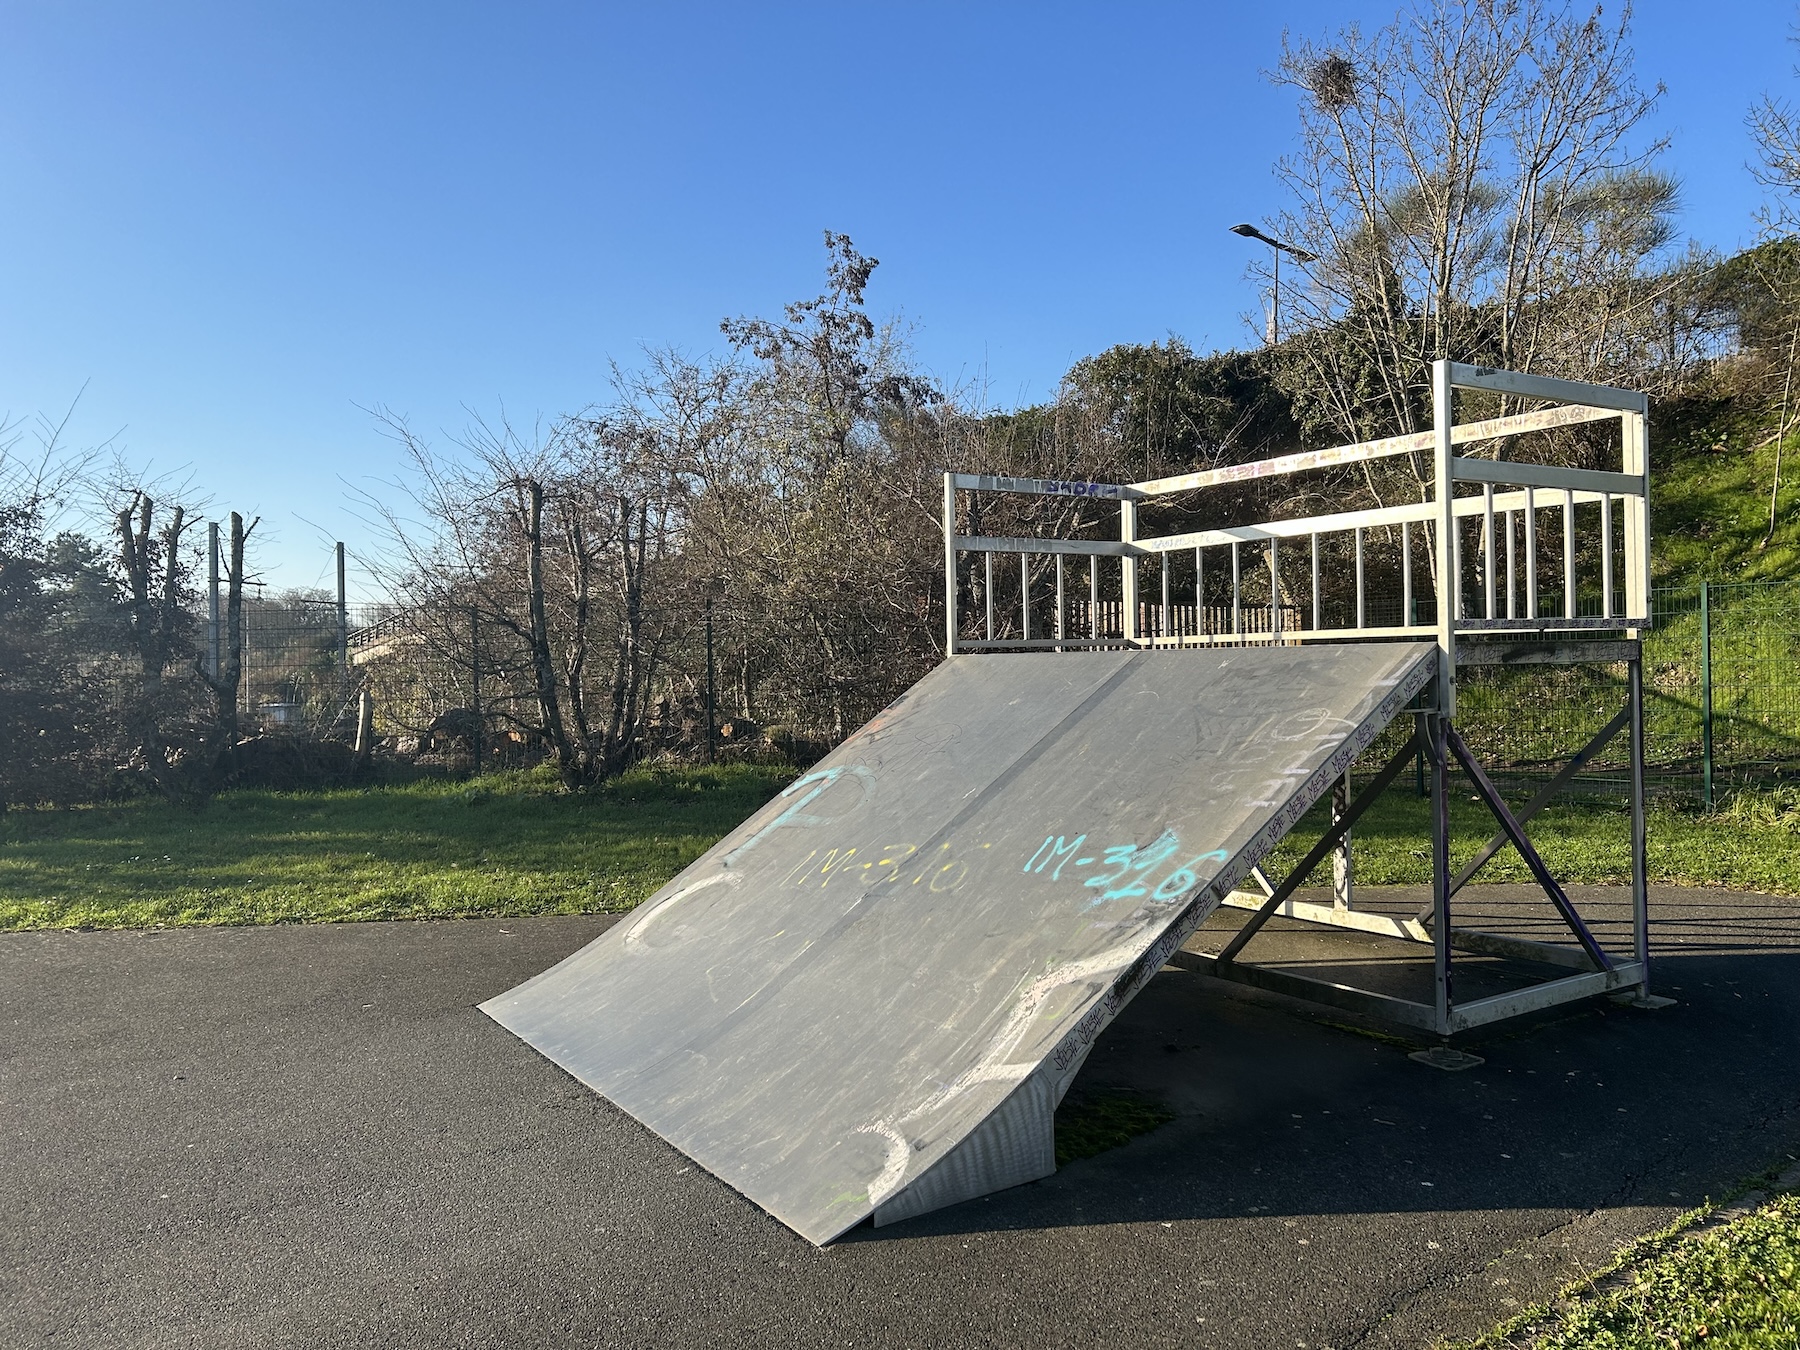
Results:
[868, 999]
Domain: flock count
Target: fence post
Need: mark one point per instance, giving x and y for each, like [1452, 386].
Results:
[343, 630]
[212, 592]
[1706, 700]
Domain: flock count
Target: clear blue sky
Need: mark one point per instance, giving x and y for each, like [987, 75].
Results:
[237, 223]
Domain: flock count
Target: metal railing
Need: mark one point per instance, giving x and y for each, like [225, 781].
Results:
[1487, 515]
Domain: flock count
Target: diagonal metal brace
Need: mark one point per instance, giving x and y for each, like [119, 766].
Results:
[1537, 803]
[1516, 833]
[1330, 840]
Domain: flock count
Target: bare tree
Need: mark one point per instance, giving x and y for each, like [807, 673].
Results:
[1775, 124]
[228, 681]
[151, 561]
[1471, 186]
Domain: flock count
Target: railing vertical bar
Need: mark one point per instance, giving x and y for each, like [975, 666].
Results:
[1025, 595]
[1275, 587]
[1512, 587]
[1237, 626]
[1409, 618]
[1199, 595]
[1487, 548]
[1568, 553]
[1531, 584]
[1162, 621]
[1315, 581]
[1359, 579]
[1456, 567]
[1094, 597]
[1606, 556]
[988, 561]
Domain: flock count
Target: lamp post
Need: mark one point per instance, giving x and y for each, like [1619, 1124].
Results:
[1277, 249]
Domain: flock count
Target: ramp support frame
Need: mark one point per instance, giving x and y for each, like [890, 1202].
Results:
[1592, 970]
[1480, 511]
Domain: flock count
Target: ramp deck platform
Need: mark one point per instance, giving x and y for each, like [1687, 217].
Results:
[869, 998]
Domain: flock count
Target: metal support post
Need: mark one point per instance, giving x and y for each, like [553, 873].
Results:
[1342, 874]
[1449, 583]
[950, 624]
[1640, 865]
[1432, 727]
[1128, 585]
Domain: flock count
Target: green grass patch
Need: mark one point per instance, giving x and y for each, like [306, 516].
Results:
[515, 844]
[1736, 1286]
[1753, 844]
[1092, 1122]
[1712, 469]
[505, 844]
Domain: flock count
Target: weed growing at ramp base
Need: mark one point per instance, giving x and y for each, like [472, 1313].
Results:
[1093, 1122]
[502, 845]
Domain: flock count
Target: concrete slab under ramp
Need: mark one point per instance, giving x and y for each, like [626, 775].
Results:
[868, 999]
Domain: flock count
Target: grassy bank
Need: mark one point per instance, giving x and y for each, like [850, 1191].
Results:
[501, 845]
[1735, 1284]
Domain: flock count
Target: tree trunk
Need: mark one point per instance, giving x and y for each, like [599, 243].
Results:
[227, 685]
[543, 667]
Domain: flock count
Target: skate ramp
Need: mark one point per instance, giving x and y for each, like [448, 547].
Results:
[868, 999]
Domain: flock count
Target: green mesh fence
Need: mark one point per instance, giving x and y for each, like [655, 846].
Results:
[1721, 699]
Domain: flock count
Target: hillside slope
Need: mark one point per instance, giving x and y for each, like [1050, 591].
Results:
[1712, 466]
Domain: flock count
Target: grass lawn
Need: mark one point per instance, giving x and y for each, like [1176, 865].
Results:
[501, 845]
[1736, 1286]
[513, 844]
[1752, 844]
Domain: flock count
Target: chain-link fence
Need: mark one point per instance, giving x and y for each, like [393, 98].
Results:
[295, 679]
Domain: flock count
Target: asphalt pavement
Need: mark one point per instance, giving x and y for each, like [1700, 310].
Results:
[308, 1136]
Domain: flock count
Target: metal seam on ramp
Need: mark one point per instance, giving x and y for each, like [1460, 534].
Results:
[868, 998]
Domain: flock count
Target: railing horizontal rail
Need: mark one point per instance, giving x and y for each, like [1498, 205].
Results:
[1103, 548]
[1512, 473]
[1301, 527]
[1543, 386]
[1041, 487]
[1412, 443]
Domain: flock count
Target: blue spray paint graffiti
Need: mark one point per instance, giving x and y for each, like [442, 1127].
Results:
[1127, 868]
[818, 780]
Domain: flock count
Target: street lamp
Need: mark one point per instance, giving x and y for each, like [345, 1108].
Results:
[1279, 248]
